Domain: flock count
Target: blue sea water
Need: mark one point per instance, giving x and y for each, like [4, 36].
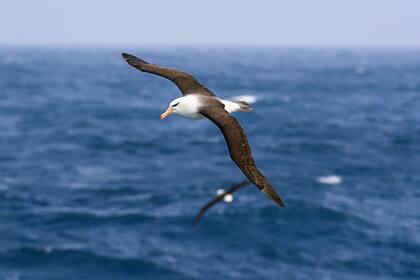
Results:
[94, 186]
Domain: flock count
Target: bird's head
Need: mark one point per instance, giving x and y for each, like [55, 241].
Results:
[173, 108]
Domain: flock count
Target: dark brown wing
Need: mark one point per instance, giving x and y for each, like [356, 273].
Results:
[186, 83]
[217, 199]
[239, 149]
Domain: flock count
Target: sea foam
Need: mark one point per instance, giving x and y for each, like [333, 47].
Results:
[330, 180]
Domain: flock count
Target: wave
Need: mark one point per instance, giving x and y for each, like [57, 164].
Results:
[86, 216]
[80, 263]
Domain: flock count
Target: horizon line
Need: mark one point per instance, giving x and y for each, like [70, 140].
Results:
[209, 46]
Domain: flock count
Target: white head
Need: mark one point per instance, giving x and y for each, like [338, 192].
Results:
[173, 108]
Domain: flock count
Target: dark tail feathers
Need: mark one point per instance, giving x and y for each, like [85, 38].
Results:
[245, 107]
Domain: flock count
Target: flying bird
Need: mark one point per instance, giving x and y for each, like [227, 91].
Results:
[199, 102]
[218, 198]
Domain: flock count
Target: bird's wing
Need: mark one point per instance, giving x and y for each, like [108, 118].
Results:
[186, 83]
[239, 149]
[217, 199]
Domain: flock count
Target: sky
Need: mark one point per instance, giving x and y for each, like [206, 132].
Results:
[272, 23]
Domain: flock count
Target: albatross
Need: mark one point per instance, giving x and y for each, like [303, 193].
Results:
[219, 197]
[199, 102]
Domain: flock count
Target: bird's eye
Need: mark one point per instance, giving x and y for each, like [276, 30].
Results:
[176, 104]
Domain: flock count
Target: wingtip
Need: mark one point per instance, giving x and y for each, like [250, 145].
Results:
[197, 217]
[132, 59]
[279, 201]
[195, 222]
[127, 57]
[272, 194]
[124, 55]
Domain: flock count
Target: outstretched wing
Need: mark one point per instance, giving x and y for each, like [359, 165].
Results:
[239, 149]
[217, 199]
[186, 83]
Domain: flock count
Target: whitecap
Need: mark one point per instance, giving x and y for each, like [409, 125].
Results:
[330, 180]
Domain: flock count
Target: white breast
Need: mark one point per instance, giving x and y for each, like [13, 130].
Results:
[188, 107]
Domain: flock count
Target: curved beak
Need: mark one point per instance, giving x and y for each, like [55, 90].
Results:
[166, 113]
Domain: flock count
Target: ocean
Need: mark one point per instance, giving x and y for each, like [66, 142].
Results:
[93, 185]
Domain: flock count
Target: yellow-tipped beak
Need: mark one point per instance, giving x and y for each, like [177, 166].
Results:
[166, 113]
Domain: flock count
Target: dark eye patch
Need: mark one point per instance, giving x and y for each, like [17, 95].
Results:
[176, 104]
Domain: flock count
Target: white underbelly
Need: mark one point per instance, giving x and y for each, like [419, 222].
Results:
[191, 115]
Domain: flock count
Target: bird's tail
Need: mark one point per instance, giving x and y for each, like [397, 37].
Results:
[236, 106]
[243, 106]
